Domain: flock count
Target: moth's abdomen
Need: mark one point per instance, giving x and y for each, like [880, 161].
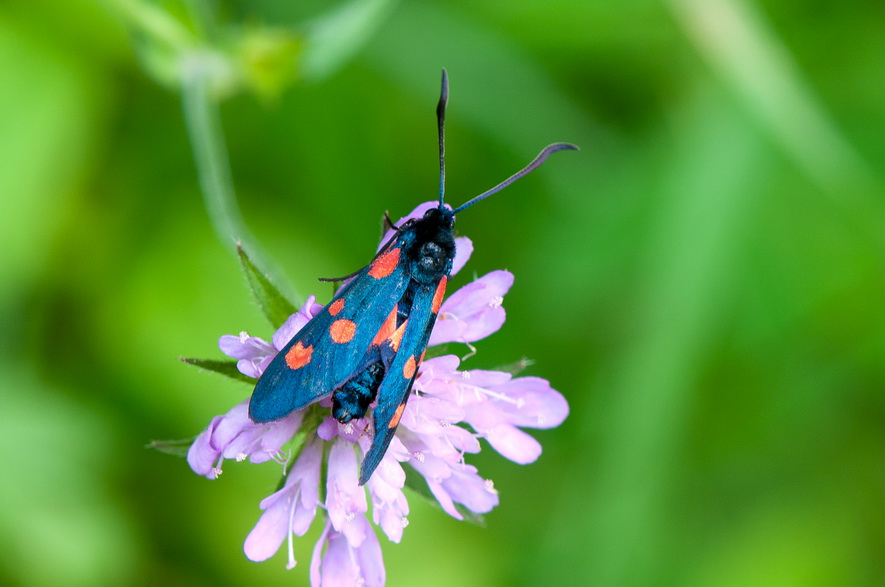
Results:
[354, 397]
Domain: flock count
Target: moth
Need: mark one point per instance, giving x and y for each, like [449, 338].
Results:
[367, 344]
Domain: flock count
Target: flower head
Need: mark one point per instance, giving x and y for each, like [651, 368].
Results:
[450, 411]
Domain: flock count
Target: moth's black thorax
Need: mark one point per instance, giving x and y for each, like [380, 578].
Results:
[429, 246]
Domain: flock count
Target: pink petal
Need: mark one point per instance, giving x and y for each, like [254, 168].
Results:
[470, 490]
[389, 504]
[307, 471]
[316, 559]
[244, 346]
[344, 565]
[345, 499]
[328, 429]
[202, 456]
[370, 559]
[537, 404]
[430, 415]
[474, 311]
[268, 534]
[339, 566]
[463, 250]
[477, 295]
[483, 378]
[444, 499]
[514, 444]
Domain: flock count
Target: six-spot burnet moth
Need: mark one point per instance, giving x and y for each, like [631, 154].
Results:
[368, 342]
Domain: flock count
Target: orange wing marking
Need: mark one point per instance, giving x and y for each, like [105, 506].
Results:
[410, 367]
[387, 329]
[397, 337]
[336, 306]
[397, 415]
[342, 330]
[438, 295]
[299, 355]
[385, 264]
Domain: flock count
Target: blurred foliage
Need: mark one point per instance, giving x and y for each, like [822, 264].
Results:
[704, 281]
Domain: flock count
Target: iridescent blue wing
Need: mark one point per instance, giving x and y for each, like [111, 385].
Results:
[395, 388]
[333, 346]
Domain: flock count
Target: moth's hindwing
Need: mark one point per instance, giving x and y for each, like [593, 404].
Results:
[395, 388]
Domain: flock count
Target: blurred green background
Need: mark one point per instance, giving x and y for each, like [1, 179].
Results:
[703, 281]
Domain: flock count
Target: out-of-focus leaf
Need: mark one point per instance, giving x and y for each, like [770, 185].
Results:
[335, 38]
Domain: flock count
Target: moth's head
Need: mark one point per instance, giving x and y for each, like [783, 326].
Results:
[442, 217]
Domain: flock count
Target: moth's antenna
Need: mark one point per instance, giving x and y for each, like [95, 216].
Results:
[536, 162]
[441, 123]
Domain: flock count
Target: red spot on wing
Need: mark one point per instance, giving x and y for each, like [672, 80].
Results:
[387, 329]
[299, 355]
[336, 306]
[397, 415]
[397, 337]
[438, 295]
[384, 264]
[410, 367]
[342, 330]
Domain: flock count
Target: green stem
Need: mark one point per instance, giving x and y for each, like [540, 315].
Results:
[204, 128]
[203, 122]
[156, 23]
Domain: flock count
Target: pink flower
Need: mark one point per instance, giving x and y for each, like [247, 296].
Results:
[235, 436]
[449, 413]
[290, 510]
[345, 499]
[344, 563]
[496, 405]
[474, 311]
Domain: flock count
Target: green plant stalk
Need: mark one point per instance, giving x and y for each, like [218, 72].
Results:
[210, 154]
[155, 23]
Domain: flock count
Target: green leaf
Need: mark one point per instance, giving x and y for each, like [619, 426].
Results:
[228, 368]
[338, 36]
[176, 448]
[275, 306]
[418, 485]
